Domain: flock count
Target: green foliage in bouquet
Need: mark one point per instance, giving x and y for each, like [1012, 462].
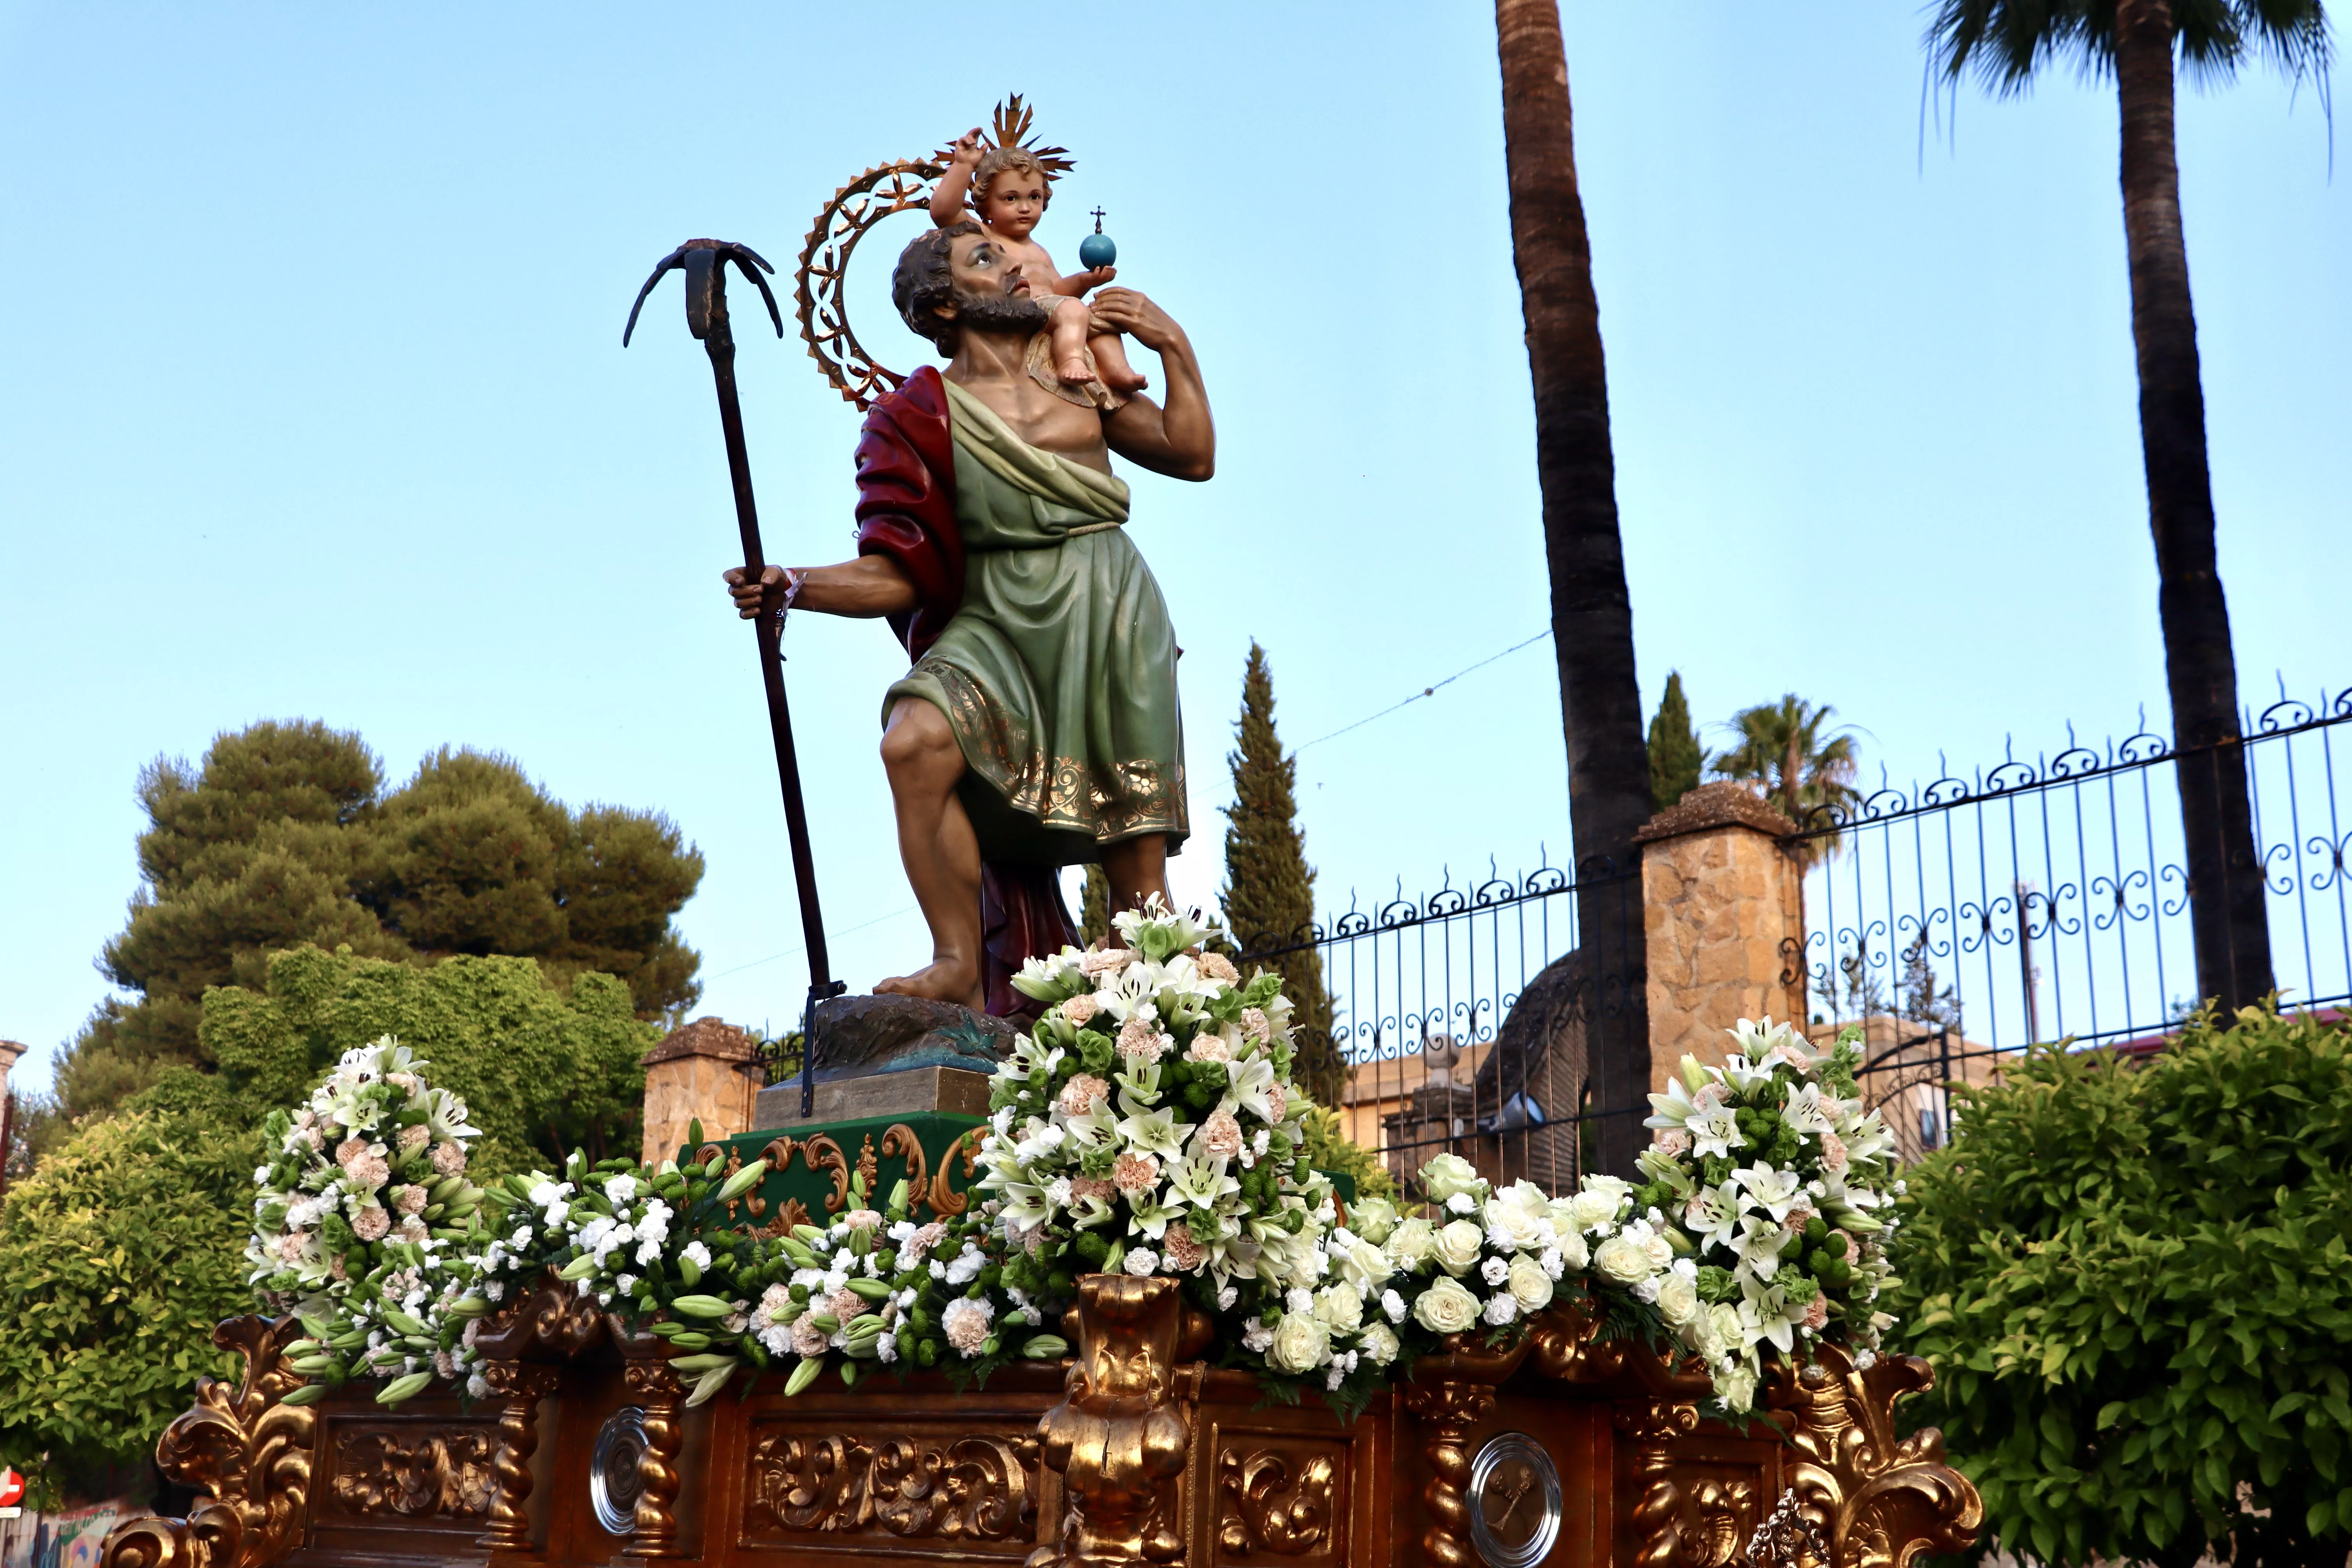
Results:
[117, 1257]
[2135, 1283]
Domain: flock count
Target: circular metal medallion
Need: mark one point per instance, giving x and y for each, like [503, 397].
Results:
[1515, 1501]
[613, 1484]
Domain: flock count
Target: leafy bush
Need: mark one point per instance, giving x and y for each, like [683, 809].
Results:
[117, 1256]
[1329, 1148]
[2133, 1284]
[543, 1071]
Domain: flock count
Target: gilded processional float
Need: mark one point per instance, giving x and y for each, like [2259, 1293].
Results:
[1032, 1264]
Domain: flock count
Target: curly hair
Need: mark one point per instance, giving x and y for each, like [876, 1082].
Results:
[925, 279]
[1002, 160]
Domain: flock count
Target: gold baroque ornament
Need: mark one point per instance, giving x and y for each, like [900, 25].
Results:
[1449, 1395]
[1274, 1501]
[1120, 1435]
[432, 1472]
[1718, 1522]
[250, 1451]
[1877, 1500]
[969, 1489]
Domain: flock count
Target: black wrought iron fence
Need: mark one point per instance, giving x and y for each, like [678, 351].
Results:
[1465, 1020]
[2048, 900]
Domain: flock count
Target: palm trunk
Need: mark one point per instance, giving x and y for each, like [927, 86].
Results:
[1591, 615]
[2226, 914]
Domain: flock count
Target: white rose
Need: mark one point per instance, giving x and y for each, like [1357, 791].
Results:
[1363, 1264]
[1724, 1319]
[1590, 1208]
[1621, 1261]
[1737, 1388]
[1411, 1244]
[1458, 1246]
[1445, 1308]
[1379, 1344]
[1574, 1255]
[1341, 1306]
[1372, 1218]
[1446, 1174]
[1301, 1342]
[1677, 1300]
[1530, 1286]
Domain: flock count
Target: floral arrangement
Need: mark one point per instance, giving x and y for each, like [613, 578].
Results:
[1779, 1182]
[1147, 1125]
[365, 1225]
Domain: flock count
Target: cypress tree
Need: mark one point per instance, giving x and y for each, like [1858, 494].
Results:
[1675, 756]
[1094, 907]
[1269, 892]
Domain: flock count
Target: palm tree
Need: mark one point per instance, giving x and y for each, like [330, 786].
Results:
[1592, 615]
[1803, 770]
[2003, 43]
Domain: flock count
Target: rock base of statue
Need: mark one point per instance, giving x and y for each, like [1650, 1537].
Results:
[892, 1055]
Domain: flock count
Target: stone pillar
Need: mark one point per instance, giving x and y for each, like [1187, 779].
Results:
[1719, 897]
[706, 1072]
[9, 1051]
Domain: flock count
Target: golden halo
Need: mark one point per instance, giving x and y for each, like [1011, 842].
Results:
[881, 192]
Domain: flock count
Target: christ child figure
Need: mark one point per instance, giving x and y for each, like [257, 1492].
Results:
[1007, 189]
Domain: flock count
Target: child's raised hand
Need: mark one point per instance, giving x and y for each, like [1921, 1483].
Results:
[967, 147]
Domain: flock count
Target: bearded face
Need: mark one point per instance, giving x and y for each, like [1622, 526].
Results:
[1001, 314]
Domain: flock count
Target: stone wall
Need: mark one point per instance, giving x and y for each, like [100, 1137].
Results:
[1720, 899]
[706, 1072]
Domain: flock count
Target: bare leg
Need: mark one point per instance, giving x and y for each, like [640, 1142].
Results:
[1070, 318]
[1137, 867]
[1111, 364]
[939, 851]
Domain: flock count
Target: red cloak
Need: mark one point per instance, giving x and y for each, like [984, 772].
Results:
[905, 511]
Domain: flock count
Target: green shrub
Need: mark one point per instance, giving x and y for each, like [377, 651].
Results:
[542, 1073]
[2135, 1285]
[117, 1256]
[1329, 1148]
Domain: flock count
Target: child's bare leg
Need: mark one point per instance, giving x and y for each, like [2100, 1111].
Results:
[1070, 342]
[1111, 364]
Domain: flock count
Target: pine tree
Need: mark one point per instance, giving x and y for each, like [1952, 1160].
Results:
[1269, 892]
[285, 836]
[1675, 756]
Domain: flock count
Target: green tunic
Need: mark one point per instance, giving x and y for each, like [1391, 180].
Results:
[1058, 673]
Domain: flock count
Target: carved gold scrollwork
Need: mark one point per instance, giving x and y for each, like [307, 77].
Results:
[946, 1201]
[822, 1153]
[1877, 1500]
[251, 1452]
[1718, 1522]
[981, 1489]
[434, 1472]
[877, 193]
[899, 1138]
[1272, 1501]
[1119, 1436]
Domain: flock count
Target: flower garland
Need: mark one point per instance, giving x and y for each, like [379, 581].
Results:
[364, 1224]
[1147, 1125]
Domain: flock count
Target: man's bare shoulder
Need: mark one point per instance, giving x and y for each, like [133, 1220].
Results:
[1045, 420]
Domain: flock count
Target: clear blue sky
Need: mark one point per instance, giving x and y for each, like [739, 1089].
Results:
[313, 404]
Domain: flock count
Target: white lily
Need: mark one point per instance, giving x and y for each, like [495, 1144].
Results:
[1776, 1192]
[1715, 1132]
[1157, 1132]
[1758, 1246]
[1248, 1081]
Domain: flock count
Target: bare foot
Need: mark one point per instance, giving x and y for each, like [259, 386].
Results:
[1075, 371]
[943, 980]
[1127, 383]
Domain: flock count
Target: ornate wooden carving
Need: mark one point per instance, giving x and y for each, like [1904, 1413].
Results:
[822, 1153]
[1877, 1500]
[899, 1138]
[415, 1472]
[946, 1201]
[1652, 1424]
[656, 1388]
[1449, 1395]
[1718, 1519]
[1120, 1436]
[970, 1489]
[1277, 1498]
[249, 1450]
[521, 1386]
